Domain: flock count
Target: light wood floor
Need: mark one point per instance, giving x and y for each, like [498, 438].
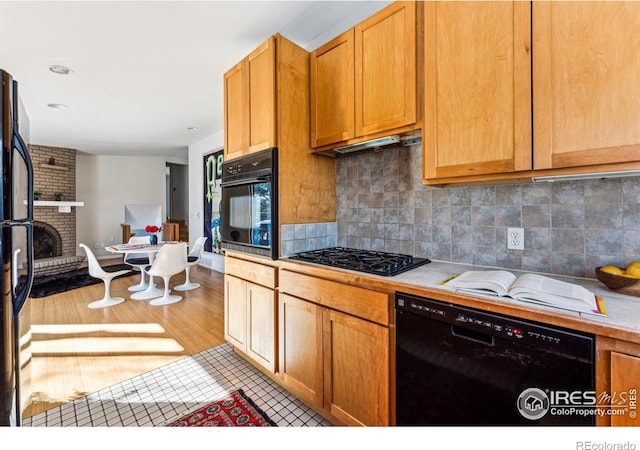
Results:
[77, 351]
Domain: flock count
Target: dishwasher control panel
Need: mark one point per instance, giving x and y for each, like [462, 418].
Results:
[528, 333]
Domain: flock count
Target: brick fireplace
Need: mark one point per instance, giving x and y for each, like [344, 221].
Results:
[54, 232]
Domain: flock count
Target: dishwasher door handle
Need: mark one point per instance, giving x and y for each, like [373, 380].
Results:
[475, 336]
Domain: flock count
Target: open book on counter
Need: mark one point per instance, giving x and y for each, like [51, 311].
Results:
[531, 288]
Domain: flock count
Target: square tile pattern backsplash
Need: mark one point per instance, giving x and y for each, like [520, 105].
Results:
[569, 227]
[308, 236]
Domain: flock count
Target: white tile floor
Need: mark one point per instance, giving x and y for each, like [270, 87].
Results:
[163, 395]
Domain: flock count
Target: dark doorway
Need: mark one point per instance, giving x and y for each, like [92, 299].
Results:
[178, 197]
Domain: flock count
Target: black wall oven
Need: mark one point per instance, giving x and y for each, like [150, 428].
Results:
[249, 211]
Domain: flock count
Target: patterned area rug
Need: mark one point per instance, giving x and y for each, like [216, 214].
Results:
[234, 410]
[46, 285]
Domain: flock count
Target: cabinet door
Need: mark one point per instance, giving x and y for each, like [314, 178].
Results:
[262, 96]
[236, 111]
[300, 347]
[586, 95]
[356, 380]
[385, 69]
[261, 307]
[477, 90]
[235, 311]
[332, 91]
[625, 378]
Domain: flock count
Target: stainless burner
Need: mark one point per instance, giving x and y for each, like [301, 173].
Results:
[379, 263]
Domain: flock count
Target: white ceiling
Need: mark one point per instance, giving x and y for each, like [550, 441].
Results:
[145, 71]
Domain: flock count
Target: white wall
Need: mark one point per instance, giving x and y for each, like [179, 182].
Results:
[197, 151]
[105, 184]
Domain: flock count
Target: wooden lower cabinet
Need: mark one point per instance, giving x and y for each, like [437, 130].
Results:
[356, 369]
[235, 311]
[261, 332]
[335, 360]
[250, 319]
[250, 310]
[618, 381]
[625, 378]
[300, 347]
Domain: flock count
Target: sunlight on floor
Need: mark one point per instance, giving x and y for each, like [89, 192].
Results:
[101, 338]
[102, 327]
[164, 394]
[60, 351]
[55, 386]
[105, 344]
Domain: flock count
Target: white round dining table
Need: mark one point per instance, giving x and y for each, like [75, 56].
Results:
[151, 291]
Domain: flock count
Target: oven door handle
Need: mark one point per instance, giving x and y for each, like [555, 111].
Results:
[245, 181]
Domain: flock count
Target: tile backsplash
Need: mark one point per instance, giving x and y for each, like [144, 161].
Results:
[309, 236]
[569, 227]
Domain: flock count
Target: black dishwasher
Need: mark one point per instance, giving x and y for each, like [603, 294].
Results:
[462, 366]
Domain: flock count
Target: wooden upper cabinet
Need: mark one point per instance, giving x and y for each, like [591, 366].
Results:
[332, 91]
[586, 88]
[364, 81]
[477, 89]
[250, 103]
[385, 69]
[267, 105]
[236, 111]
[262, 96]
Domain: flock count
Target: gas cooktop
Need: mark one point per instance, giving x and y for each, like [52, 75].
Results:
[369, 261]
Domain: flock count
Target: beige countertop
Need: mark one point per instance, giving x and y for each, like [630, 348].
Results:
[623, 311]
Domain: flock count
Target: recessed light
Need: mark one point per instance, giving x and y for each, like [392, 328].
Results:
[61, 70]
[57, 106]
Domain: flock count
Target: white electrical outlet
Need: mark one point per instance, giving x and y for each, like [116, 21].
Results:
[515, 238]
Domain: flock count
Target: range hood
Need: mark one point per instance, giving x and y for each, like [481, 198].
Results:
[373, 143]
[407, 139]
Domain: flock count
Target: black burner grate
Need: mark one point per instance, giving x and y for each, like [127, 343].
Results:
[369, 261]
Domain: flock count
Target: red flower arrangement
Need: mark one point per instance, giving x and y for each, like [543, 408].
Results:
[153, 229]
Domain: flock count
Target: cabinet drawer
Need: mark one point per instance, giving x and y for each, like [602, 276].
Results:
[256, 273]
[360, 302]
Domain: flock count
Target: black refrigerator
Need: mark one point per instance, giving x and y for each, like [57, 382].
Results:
[16, 251]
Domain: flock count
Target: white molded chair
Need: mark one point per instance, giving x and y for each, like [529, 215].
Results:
[139, 261]
[96, 271]
[170, 260]
[192, 259]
